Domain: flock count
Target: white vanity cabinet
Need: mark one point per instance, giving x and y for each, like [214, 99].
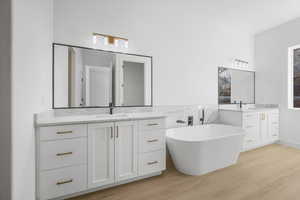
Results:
[152, 146]
[112, 154]
[101, 152]
[61, 160]
[261, 126]
[126, 150]
[75, 159]
[251, 124]
[273, 120]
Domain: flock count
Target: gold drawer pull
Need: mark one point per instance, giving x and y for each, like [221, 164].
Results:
[155, 140]
[63, 132]
[64, 154]
[263, 116]
[154, 124]
[152, 163]
[64, 182]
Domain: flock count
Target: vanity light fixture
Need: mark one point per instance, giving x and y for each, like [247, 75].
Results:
[241, 63]
[110, 40]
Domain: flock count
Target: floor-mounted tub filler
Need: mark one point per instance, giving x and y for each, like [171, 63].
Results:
[201, 149]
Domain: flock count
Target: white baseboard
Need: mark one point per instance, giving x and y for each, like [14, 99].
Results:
[290, 144]
[260, 145]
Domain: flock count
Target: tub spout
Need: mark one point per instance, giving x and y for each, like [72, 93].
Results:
[180, 122]
[203, 117]
[190, 120]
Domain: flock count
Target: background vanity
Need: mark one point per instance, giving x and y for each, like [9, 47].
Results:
[237, 107]
[261, 124]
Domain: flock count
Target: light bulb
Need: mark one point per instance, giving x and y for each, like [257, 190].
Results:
[116, 42]
[94, 39]
[126, 44]
[105, 39]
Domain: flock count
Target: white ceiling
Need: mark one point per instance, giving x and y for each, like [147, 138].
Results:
[251, 16]
[256, 16]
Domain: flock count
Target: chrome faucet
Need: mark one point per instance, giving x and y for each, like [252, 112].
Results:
[190, 120]
[111, 108]
[203, 117]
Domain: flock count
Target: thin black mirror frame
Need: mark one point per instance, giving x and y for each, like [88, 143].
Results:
[236, 70]
[87, 48]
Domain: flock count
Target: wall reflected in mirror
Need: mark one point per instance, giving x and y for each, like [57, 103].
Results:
[94, 78]
[236, 86]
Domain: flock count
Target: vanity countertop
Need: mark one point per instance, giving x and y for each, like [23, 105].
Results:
[52, 120]
[255, 109]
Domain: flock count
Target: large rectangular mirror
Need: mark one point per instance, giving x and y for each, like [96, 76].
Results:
[84, 77]
[236, 86]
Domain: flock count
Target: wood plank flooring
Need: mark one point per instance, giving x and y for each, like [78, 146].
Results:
[268, 173]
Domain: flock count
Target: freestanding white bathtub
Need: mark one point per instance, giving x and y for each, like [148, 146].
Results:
[200, 149]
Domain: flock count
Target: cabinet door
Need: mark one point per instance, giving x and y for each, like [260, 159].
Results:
[264, 127]
[274, 126]
[126, 152]
[100, 155]
[251, 125]
[252, 138]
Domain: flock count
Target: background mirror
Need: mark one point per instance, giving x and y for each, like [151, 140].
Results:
[235, 86]
[93, 78]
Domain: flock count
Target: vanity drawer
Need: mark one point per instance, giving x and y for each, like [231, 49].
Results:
[62, 153]
[152, 140]
[151, 124]
[62, 132]
[152, 162]
[56, 183]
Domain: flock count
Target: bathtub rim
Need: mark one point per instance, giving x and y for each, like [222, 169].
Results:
[168, 137]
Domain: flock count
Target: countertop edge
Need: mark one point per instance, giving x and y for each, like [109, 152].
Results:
[250, 110]
[45, 123]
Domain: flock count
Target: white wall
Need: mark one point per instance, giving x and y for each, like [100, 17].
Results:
[31, 86]
[187, 40]
[271, 60]
[5, 99]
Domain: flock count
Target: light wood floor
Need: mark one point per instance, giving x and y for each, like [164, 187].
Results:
[268, 173]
